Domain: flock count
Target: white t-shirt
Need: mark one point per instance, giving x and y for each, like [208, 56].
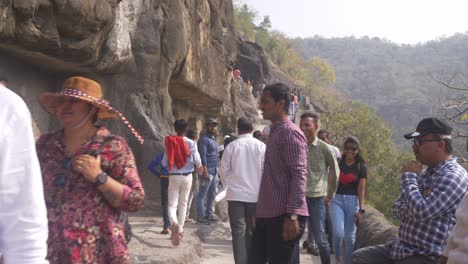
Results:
[241, 168]
[23, 215]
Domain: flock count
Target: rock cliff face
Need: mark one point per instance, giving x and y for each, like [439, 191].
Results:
[157, 60]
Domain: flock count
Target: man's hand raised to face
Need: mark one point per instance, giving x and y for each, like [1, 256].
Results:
[413, 166]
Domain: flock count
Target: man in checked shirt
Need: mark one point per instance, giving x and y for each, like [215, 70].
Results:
[428, 200]
[281, 208]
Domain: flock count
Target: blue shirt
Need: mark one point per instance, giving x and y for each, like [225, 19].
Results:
[427, 221]
[208, 152]
[156, 166]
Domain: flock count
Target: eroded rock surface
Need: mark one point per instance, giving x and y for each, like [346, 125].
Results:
[157, 60]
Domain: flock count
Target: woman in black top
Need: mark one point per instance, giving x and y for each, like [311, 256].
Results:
[347, 205]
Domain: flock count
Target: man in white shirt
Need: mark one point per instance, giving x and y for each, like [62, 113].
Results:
[181, 158]
[241, 169]
[23, 215]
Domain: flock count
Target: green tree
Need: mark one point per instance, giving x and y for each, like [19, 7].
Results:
[244, 18]
[266, 23]
[320, 73]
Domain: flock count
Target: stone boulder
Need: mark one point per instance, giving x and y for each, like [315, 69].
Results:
[375, 229]
[253, 63]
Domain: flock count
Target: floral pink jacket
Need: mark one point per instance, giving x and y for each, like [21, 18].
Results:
[83, 227]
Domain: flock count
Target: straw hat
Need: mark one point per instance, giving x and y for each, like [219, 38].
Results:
[87, 90]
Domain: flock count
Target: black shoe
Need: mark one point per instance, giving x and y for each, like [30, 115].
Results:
[203, 221]
[213, 218]
[305, 244]
[313, 250]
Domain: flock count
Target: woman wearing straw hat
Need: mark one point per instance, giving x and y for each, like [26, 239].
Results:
[89, 175]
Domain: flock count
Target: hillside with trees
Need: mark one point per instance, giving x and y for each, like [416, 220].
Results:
[403, 83]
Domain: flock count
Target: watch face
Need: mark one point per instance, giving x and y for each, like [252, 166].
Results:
[102, 178]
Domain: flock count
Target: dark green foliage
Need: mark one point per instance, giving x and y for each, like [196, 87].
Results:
[392, 78]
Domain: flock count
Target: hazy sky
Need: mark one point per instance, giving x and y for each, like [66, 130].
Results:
[401, 21]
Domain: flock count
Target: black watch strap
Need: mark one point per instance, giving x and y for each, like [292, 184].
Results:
[362, 211]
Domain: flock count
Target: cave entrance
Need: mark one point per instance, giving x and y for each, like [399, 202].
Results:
[192, 104]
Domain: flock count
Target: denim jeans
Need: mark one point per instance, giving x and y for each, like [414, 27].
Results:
[241, 219]
[329, 227]
[164, 183]
[268, 245]
[296, 257]
[206, 195]
[343, 211]
[310, 236]
[316, 220]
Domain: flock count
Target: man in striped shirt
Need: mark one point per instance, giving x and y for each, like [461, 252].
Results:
[428, 200]
[281, 207]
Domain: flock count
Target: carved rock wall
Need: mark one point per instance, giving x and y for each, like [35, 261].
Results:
[157, 60]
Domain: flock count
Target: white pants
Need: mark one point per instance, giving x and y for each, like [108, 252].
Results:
[179, 190]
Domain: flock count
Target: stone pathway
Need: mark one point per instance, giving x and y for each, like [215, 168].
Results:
[217, 247]
[201, 244]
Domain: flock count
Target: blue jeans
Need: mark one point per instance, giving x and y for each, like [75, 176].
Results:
[343, 210]
[329, 228]
[296, 257]
[206, 195]
[317, 211]
[164, 183]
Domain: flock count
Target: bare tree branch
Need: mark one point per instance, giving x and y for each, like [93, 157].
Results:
[447, 85]
[461, 158]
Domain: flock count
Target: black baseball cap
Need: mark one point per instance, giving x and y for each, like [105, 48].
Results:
[211, 121]
[430, 125]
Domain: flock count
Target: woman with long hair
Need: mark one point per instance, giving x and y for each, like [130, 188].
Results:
[90, 177]
[347, 206]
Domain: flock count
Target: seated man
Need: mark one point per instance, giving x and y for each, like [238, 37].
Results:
[428, 200]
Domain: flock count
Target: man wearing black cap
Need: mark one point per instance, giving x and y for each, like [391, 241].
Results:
[428, 199]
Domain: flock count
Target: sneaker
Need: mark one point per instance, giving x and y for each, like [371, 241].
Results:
[313, 250]
[203, 221]
[213, 218]
[165, 231]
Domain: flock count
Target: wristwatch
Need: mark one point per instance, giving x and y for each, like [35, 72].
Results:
[292, 217]
[362, 211]
[100, 179]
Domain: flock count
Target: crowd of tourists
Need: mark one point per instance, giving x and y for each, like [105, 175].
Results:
[64, 198]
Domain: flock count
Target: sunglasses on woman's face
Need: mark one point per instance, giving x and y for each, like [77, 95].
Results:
[353, 149]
